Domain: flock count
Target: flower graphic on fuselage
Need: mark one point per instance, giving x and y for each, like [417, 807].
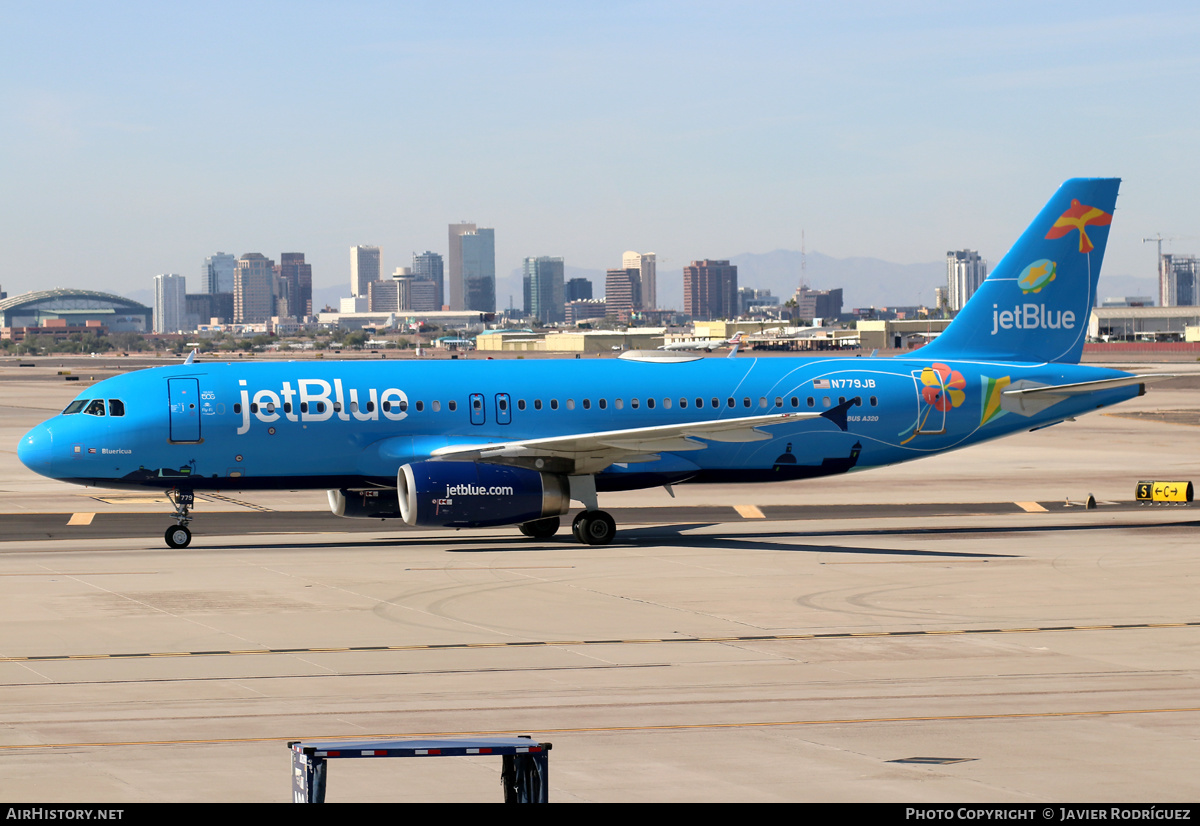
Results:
[943, 387]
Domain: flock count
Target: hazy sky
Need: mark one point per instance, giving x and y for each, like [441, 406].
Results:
[138, 138]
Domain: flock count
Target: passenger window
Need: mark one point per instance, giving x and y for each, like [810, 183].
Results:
[633, 403]
[387, 406]
[116, 407]
[682, 404]
[520, 404]
[587, 404]
[699, 402]
[403, 405]
[287, 407]
[304, 406]
[795, 402]
[745, 401]
[619, 404]
[270, 407]
[762, 401]
[874, 401]
[237, 408]
[716, 403]
[95, 407]
[554, 404]
[825, 401]
[353, 407]
[603, 404]
[666, 404]
[253, 407]
[453, 405]
[811, 402]
[370, 407]
[778, 401]
[337, 407]
[436, 405]
[537, 404]
[570, 404]
[650, 403]
[730, 402]
[420, 406]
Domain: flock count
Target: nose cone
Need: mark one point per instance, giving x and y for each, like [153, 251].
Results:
[36, 448]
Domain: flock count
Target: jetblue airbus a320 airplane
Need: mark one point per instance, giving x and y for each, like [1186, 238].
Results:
[482, 443]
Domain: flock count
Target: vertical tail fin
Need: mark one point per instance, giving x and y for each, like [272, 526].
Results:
[1035, 304]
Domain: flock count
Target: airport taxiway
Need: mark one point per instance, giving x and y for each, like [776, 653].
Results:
[918, 633]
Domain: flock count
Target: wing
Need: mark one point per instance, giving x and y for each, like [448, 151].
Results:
[587, 453]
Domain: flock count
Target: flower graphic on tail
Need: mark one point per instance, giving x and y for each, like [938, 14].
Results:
[941, 390]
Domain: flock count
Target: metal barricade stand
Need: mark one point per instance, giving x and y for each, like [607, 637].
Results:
[525, 774]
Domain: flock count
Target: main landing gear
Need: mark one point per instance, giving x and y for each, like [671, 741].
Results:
[178, 535]
[541, 528]
[594, 527]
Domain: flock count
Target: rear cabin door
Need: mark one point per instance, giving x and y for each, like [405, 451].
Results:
[184, 397]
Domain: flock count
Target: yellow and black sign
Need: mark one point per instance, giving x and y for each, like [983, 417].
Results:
[1164, 491]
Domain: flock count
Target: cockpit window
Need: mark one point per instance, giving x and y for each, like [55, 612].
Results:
[116, 407]
[95, 407]
[74, 407]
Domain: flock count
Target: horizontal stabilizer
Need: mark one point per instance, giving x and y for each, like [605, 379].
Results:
[1027, 398]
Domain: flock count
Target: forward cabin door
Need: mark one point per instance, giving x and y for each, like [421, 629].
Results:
[184, 398]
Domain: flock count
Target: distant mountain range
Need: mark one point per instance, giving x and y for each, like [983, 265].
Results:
[865, 282]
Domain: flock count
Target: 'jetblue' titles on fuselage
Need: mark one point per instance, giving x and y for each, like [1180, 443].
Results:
[316, 400]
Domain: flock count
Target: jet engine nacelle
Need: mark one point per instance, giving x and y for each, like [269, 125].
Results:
[364, 504]
[471, 495]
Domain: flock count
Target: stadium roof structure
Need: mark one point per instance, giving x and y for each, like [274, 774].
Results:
[63, 302]
[67, 294]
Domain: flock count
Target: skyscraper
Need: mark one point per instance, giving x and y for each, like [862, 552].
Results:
[455, 294]
[428, 267]
[813, 304]
[710, 289]
[479, 270]
[546, 302]
[295, 278]
[622, 293]
[646, 264]
[365, 267]
[253, 289]
[216, 276]
[577, 289]
[965, 272]
[170, 303]
[1178, 280]
[472, 273]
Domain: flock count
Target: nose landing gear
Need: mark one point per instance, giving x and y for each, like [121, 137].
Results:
[178, 535]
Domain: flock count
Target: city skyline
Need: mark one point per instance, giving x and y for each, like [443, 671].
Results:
[844, 123]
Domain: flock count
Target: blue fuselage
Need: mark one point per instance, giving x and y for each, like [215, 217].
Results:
[318, 424]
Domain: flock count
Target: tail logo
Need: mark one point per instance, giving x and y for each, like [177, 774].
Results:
[1079, 217]
[1037, 275]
